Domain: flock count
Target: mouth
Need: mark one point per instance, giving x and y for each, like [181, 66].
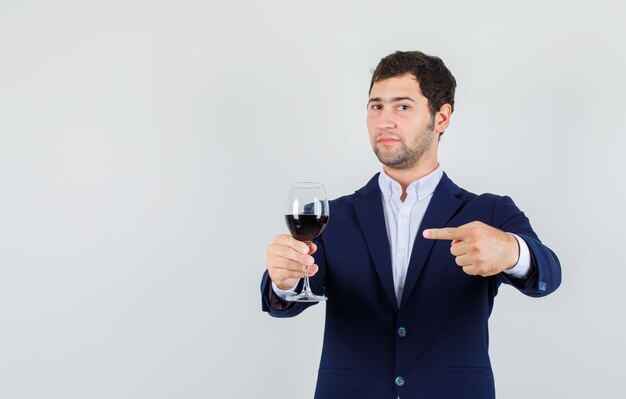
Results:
[387, 140]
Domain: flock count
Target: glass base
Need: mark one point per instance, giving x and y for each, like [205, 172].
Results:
[306, 297]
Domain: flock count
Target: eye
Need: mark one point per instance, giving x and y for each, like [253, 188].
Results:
[403, 107]
[376, 107]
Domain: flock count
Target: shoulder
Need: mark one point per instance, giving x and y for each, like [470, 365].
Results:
[371, 188]
[466, 195]
[487, 202]
[484, 203]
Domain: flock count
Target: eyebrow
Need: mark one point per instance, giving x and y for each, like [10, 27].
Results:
[391, 100]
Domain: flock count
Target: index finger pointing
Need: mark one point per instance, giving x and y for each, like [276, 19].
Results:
[447, 233]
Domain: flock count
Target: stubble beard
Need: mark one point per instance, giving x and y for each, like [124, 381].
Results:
[405, 157]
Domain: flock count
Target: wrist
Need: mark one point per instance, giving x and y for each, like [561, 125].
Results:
[514, 251]
[287, 285]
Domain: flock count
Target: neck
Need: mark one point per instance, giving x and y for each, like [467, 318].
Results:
[407, 176]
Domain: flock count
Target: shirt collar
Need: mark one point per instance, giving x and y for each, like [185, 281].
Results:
[423, 187]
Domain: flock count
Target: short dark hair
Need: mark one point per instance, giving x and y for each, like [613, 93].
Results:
[434, 78]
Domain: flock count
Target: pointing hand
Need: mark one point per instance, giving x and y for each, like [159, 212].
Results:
[479, 248]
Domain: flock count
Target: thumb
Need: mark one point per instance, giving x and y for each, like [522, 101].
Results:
[312, 249]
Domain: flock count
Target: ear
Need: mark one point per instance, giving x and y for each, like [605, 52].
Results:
[442, 118]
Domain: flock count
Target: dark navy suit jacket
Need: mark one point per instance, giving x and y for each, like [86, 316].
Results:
[435, 343]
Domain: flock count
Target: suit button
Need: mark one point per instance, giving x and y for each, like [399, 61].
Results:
[401, 332]
[400, 381]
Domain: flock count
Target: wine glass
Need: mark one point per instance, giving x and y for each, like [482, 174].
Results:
[306, 217]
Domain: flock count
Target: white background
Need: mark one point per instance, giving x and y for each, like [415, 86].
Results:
[146, 148]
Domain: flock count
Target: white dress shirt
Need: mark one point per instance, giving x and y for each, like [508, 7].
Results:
[403, 220]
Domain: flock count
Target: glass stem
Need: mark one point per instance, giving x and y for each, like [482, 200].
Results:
[306, 288]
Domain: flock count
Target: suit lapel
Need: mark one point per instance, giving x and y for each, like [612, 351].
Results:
[369, 212]
[443, 205]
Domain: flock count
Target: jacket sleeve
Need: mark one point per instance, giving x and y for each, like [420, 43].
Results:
[545, 270]
[276, 307]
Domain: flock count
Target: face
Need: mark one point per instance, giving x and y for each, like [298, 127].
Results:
[400, 125]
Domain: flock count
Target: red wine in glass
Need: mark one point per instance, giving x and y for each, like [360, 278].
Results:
[306, 227]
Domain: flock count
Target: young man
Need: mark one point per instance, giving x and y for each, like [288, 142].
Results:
[411, 262]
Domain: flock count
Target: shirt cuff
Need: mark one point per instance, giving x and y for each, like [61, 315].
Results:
[521, 269]
[282, 294]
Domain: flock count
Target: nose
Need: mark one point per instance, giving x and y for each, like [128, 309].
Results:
[386, 120]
